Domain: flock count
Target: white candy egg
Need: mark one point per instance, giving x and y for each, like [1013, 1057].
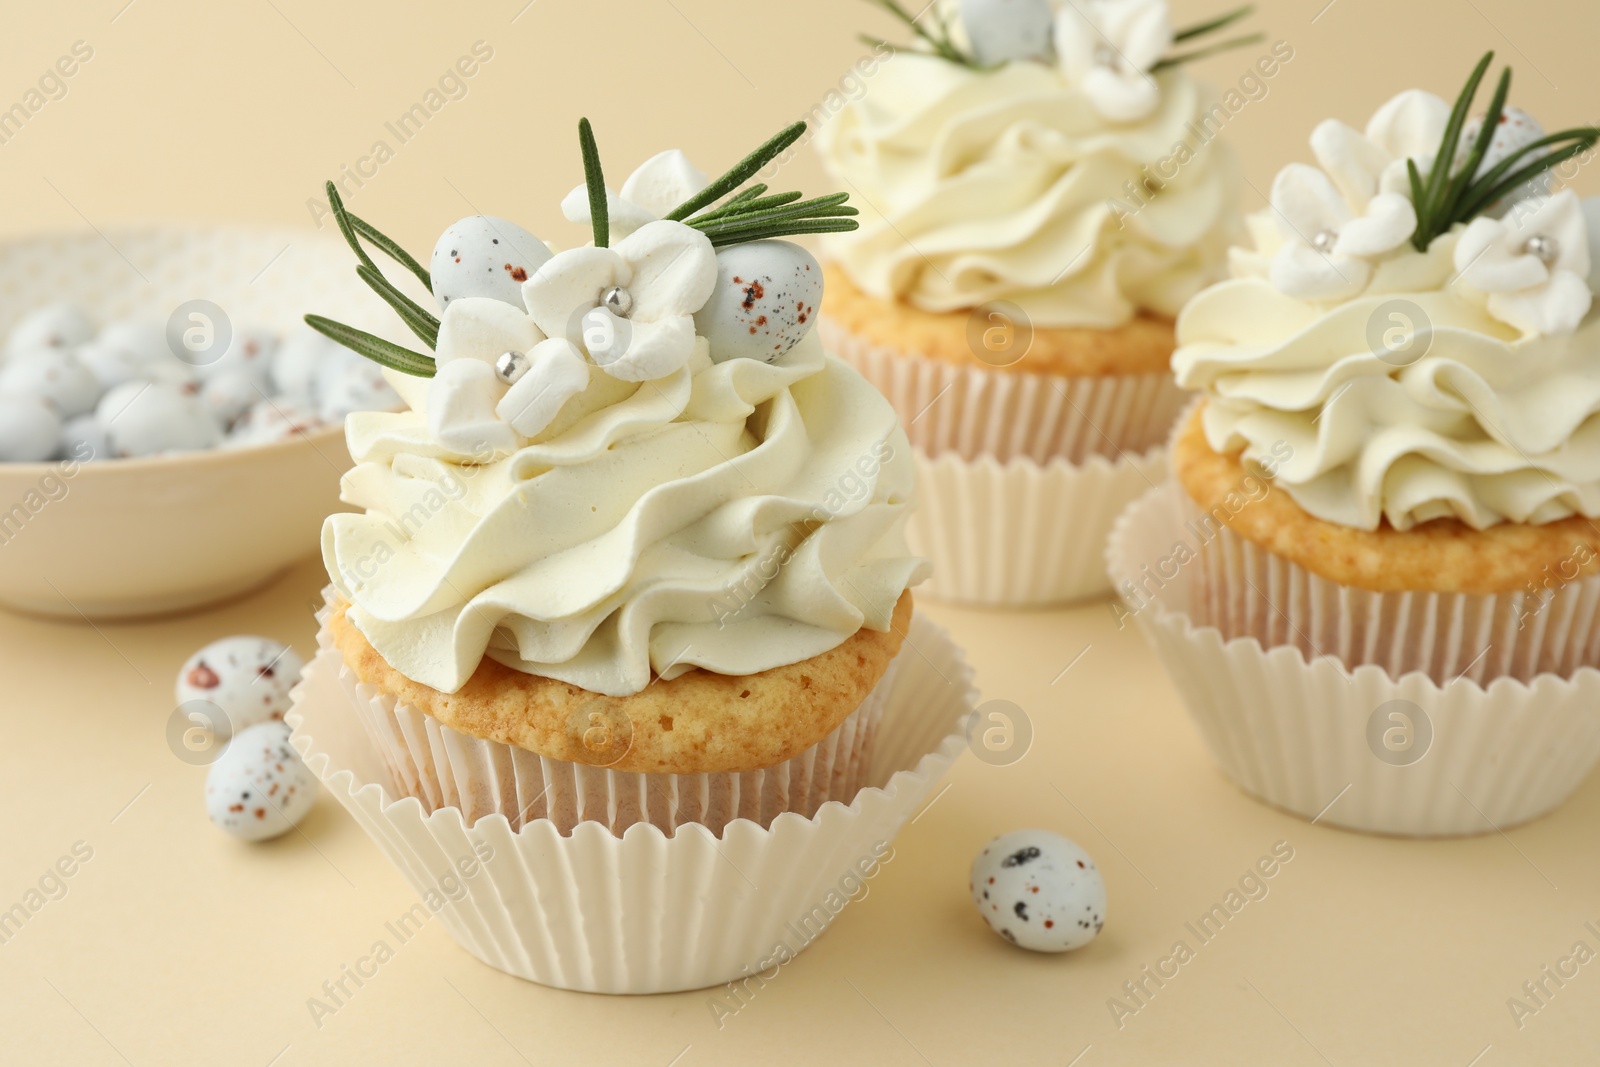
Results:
[250, 350]
[54, 375]
[355, 384]
[148, 418]
[765, 301]
[258, 788]
[30, 429]
[1005, 30]
[230, 394]
[248, 677]
[84, 440]
[300, 355]
[485, 256]
[131, 350]
[1039, 891]
[60, 325]
[270, 421]
[1516, 131]
[142, 339]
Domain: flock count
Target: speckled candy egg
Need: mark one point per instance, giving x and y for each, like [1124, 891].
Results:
[353, 384]
[270, 421]
[765, 301]
[1006, 30]
[54, 326]
[230, 394]
[485, 256]
[1039, 891]
[249, 678]
[30, 429]
[146, 419]
[84, 440]
[301, 352]
[259, 788]
[1516, 131]
[55, 376]
[249, 351]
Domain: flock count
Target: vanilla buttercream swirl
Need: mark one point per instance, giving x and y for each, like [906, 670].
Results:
[1479, 422]
[732, 516]
[1009, 184]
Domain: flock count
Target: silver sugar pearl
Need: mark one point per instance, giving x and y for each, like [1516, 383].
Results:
[1545, 249]
[511, 366]
[1324, 240]
[618, 301]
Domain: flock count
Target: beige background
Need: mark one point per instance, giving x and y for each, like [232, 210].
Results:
[176, 945]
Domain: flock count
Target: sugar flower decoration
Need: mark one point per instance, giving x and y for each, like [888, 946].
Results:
[631, 307]
[500, 381]
[1534, 263]
[1336, 219]
[1108, 47]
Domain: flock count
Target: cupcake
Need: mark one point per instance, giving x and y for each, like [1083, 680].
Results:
[1375, 579]
[1036, 208]
[627, 589]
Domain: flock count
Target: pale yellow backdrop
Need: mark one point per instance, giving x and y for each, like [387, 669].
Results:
[175, 945]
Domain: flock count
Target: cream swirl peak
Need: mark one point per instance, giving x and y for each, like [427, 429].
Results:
[1061, 164]
[1459, 381]
[602, 463]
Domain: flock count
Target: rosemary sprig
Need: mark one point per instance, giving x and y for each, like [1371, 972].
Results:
[1200, 29]
[740, 173]
[599, 209]
[424, 325]
[939, 41]
[1451, 195]
[421, 321]
[1168, 62]
[374, 348]
[750, 216]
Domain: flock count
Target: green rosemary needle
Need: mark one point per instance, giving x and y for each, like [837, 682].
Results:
[374, 348]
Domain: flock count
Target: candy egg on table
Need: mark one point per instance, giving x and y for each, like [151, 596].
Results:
[54, 375]
[148, 418]
[259, 788]
[481, 255]
[30, 429]
[248, 677]
[84, 440]
[1004, 30]
[764, 303]
[61, 325]
[1039, 891]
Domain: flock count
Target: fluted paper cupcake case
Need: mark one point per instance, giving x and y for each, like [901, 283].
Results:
[1392, 723]
[443, 767]
[644, 912]
[1020, 475]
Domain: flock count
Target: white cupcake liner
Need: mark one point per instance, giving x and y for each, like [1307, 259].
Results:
[975, 412]
[1019, 534]
[644, 912]
[1307, 734]
[444, 768]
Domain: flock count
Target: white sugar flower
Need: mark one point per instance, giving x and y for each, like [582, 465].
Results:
[1534, 263]
[631, 306]
[499, 381]
[1107, 48]
[1357, 207]
[661, 183]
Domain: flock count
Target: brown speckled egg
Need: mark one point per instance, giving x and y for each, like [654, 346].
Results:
[259, 788]
[765, 302]
[481, 255]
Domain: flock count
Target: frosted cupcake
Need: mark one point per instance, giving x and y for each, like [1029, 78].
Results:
[1037, 207]
[629, 577]
[1376, 574]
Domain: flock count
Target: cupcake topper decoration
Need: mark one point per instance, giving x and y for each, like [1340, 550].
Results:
[1107, 47]
[652, 285]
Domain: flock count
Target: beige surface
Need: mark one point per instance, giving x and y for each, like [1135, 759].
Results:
[179, 945]
[175, 945]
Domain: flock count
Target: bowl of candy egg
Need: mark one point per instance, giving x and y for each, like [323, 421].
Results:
[170, 430]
